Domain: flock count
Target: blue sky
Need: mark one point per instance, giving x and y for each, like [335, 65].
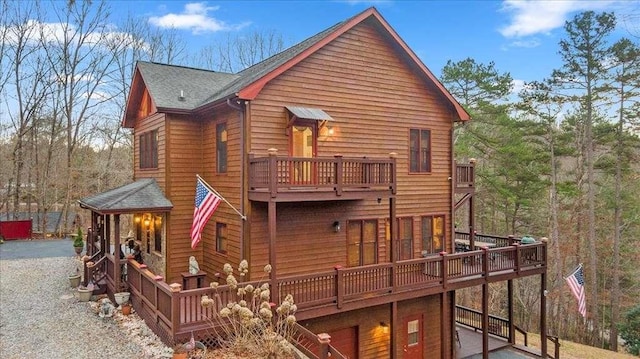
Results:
[520, 36]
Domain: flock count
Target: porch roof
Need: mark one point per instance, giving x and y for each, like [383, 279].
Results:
[141, 195]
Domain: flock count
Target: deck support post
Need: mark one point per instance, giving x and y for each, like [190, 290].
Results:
[116, 254]
[543, 314]
[512, 326]
[394, 243]
[443, 328]
[485, 321]
[485, 304]
[395, 330]
[275, 296]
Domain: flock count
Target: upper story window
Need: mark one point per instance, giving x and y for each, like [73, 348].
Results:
[420, 150]
[149, 149]
[221, 147]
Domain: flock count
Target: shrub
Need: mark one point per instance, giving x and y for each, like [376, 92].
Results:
[249, 325]
[630, 330]
[78, 241]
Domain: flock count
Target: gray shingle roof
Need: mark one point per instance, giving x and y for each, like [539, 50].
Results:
[167, 82]
[143, 194]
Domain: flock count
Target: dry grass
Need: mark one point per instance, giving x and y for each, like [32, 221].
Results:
[571, 350]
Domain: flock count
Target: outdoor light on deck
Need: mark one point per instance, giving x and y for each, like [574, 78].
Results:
[385, 327]
[336, 226]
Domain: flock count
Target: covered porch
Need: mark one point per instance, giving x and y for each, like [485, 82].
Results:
[104, 261]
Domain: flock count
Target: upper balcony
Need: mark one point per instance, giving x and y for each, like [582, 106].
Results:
[465, 177]
[290, 179]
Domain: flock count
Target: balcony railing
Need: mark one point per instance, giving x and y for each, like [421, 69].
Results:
[276, 175]
[465, 175]
[178, 313]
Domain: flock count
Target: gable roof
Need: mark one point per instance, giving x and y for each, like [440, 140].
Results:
[143, 194]
[168, 83]
[203, 87]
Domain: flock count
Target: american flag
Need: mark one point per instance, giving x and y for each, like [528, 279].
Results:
[206, 204]
[576, 283]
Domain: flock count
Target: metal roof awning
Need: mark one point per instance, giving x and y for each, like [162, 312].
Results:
[141, 195]
[307, 113]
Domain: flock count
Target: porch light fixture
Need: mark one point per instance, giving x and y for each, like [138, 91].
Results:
[336, 226]
[385, 327]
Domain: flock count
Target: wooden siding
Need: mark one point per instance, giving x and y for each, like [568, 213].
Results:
[157, 121]
[373, 342]
[228, 185]
[430, 307]
[184, 159]
[154, 122]
[374, 98]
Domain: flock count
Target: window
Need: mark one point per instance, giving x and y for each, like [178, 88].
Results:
[405, 238]
[149, 149]
[221, 147]
[413, 331]
[221, 237]
[432, 234]
[157, 233]
[362, 242]
[420, 150]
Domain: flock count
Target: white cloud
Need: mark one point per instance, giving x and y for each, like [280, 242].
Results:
[194, 17]
[530, 43]
[529, 17]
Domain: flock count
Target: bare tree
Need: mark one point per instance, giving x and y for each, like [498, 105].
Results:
[30, 81]
[236, 53]
[81, 58]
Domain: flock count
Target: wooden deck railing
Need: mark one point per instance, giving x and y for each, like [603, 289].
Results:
[498, 326]
[499, 241]
[465, 175]
[276, 174]
[177, 313]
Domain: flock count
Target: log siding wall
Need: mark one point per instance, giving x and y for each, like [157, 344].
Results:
[375, 98]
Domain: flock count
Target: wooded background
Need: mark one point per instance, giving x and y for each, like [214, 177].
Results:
[558, 159]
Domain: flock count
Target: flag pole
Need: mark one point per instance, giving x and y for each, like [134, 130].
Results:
[244, 218]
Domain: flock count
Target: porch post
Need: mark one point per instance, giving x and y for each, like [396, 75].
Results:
[116, 253]
[543, 314]
[107, 234]
[485, 321]
[275, 296]
[512, 326]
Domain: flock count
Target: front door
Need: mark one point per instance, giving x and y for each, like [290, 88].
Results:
[303, 144]
[412, 345]
[346, 341]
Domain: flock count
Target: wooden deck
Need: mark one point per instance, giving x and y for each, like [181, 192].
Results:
[175, 314]
[471, 342]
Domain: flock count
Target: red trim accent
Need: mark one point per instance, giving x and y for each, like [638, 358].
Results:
[251, 91]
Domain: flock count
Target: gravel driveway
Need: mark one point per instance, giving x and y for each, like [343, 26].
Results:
[41, 318]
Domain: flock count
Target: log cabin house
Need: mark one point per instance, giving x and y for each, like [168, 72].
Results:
[339, 153]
